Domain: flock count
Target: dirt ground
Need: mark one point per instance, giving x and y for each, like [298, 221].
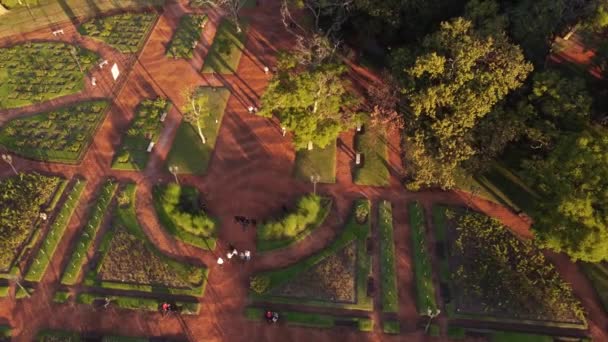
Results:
[250, 174]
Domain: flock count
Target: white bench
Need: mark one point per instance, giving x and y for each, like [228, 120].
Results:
[359, 127]
[58, 32]
[358, 159]
[101, 65]
[310, 145]
[150, 146]
[163, 117]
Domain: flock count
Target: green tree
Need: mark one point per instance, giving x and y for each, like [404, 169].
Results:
[455, 80]
[196, 111]
[573, 216]
[486, 18]
[310, 101]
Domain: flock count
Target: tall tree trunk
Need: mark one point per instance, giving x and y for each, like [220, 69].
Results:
[200, 132]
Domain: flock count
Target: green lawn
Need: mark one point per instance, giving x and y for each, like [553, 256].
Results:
[425, 290]
[49, 12]
[440, 230]
[519, 337]
[4, 291]
[188, 153]
[61, 297]
[353, 231]
[62, 135]
[42, 259]
[225, 53]
[390, 298]
[145, 128]
[391, 327]
[598, 275]
[318, 162]
[264, 245]
[78, 258]
[138, 303]
[373, 171]
[312, 320]
[35, 72]
[125, 32]
[188, 32]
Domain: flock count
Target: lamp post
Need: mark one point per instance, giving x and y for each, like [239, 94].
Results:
[173, 169]
[9, 160]
[314, 179]
[432, 314]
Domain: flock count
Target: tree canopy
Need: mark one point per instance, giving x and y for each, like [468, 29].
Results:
[452, 82]
[573, 216]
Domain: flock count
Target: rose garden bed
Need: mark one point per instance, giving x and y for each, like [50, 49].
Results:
[126, 32]
[186, 35]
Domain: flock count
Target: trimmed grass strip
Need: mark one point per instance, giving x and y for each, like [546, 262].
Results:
[317, 162]
[61, 297]
[425, 291]
[137, 303]
[390, 298]
[391, 327]
[225, 53]
[373, 171]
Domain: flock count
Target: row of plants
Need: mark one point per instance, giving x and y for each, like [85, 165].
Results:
[73, 336]
[138, 303]
[125, 32]
[145, 128]
[127, 260]
[423, 273]
[309, 213]
[181, 212]
[187, 34]
[46, 250]
[23, 198]
[36, 72]
[390, 295]
[314, 320]
[486, 259]
[264, 285]
[79, 254]
[374, 150]
[61, 135]
[225, 52]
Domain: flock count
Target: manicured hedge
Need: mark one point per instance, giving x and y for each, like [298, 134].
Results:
[423, 272]
[390, 295]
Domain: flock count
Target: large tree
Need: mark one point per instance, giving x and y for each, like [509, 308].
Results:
[450, 84]
[573, 181]
[311, 101]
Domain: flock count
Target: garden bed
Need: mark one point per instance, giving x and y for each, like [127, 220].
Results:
[486, 259]
[145, 128]
[319, 162]
[62, 135]
[313, 320]
[78, 258]
[61, 297]
[188, 33]
[373, 171]
[391, 327]
[264, 284]
[180, 212]
[125, 32]
[225, 52]
[138, 303]
[36, 72]
[425, 291]
[388, 272]
[127, 260]
[47, 249]
[188, 153]
[311, 211]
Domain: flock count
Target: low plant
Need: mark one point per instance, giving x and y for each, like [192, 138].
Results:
[259, 283]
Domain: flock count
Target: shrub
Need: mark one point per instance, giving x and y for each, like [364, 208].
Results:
[307, 210]
[181, 206]
[124, 199]
[259, 283]
[361, 212]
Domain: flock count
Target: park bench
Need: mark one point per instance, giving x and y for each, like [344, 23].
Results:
[150, 147]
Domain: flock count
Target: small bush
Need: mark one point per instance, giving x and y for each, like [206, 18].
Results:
[361, 212]
[259, 283]
[307, 210]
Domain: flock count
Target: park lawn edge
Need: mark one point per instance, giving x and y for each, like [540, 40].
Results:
[73, 269]
[312, 320]
[137, 303]
[327, 161]
[353, 232]
[232, 65]
[423, 269]
[374, 171]
[269, 245]
[206, 243]
[55, 233]
[205, 21]
[388, 275]
[61, 297]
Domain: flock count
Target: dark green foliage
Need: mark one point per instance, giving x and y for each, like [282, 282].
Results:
[361, 212]
[35, 72]
[22, 199]
[598, 275]
[187, 33]
[225, 53]
[259, 283]
[374, 171]
[126, 32]
[390, 295]
[146, 127]
[425, 290]
[489, 260]
[391, 327]
[306, 212]
[60, 135]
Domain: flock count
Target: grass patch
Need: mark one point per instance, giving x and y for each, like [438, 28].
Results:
[425, 291]
[317, 162]
[23, 292]
[4, 291]
[434, 330]
[598, 275]
[125, 32]
[311, 212]
[456, 333]
[74, 266]
[5, 331]
[503, 336]
[179, 210]
[373, 171]
[188, 33]
[145, 128]
[61, 297]
[137, 303]
[353, 232]
[391, 327]
[55, 233]
[313, 320]
[58, 335]
[188, 153]
[36, 72]
[390, 295]
[61, 135]
[225, 52]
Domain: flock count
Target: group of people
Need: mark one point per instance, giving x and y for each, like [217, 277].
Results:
[245, 221]
[252, 109]
[232, 252]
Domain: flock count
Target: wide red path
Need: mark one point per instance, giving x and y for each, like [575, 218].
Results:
[250, 175]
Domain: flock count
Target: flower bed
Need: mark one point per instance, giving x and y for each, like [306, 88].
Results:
[125, 32]
[186, 35]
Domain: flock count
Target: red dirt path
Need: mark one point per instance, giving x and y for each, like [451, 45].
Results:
[250, 175]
